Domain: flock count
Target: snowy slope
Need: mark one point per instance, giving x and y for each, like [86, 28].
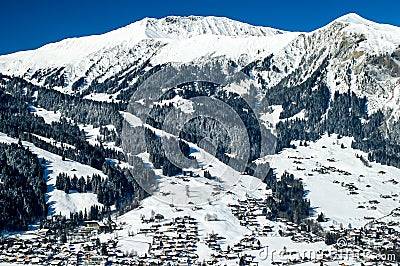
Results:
[328, 169]
[204, 197]
[199, 198]
[59, 201]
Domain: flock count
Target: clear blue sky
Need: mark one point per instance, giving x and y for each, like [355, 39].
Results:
[28, 24]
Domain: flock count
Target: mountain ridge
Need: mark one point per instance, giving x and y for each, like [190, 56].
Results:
[148, 22]
[145, 28]
[252, 41]
[350, 40]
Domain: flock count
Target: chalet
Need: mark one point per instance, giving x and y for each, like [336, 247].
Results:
[44, 232]
[92, 224]
[36, 260]
[231, 256]
[97, 260]
[55, 262]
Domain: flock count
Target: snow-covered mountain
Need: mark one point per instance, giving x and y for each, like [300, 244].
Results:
[161, 40]
[350, 42]
[182, 118]
[349, 54]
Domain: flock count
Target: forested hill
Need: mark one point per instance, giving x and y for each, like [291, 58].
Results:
[23, 184]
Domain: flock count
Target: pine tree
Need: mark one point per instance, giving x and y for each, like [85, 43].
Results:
[321, 218]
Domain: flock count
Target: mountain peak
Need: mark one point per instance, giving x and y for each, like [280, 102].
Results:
[177, 27]
[353, 18]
